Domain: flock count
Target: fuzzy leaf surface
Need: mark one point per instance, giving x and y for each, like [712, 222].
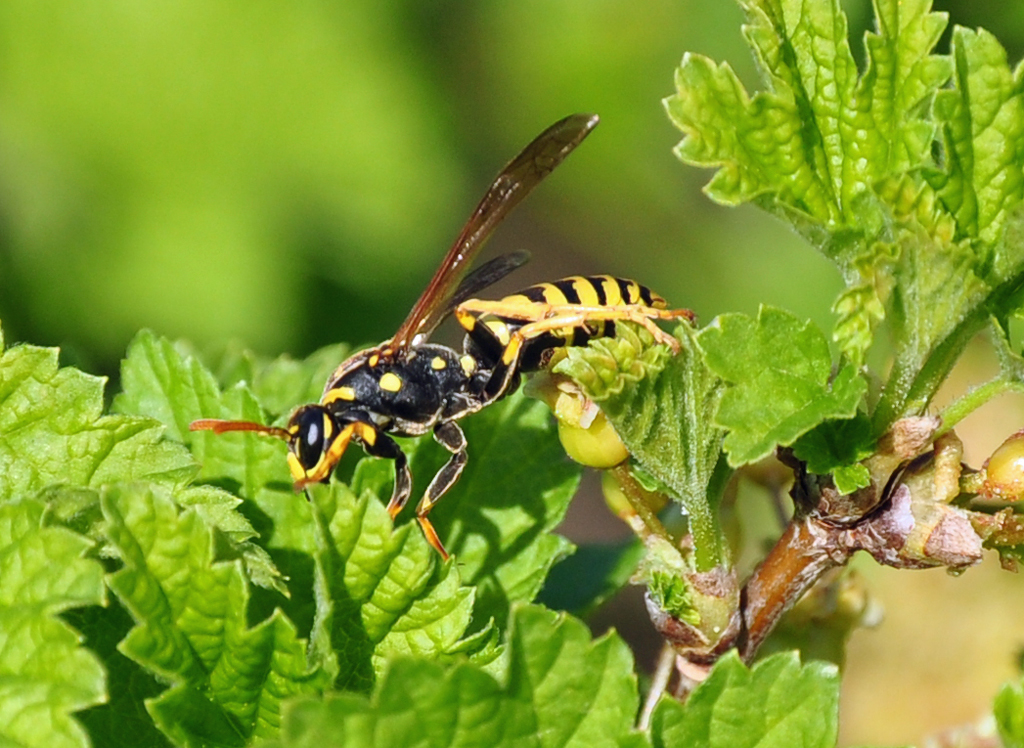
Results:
[561, 690]
[819, 136]
[662, 408]
[498, 520]
[227, 680]
[777, 704]
[379, 593]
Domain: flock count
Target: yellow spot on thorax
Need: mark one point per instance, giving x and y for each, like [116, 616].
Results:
[468, 364]
[390, 382]
[437, 363]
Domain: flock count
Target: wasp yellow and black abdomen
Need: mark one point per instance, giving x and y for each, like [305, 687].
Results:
[532, 324]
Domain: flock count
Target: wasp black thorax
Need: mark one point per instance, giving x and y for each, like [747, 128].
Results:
[403, 393]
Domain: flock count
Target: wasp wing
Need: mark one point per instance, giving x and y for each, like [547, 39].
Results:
[486, 275]
[514, 183]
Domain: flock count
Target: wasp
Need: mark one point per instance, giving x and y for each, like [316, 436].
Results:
[407, 386]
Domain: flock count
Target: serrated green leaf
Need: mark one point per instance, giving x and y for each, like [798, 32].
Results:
[661, 407]
[122, 721]
[562, 690]
[45, 672]
[944, 294]
[227, 680]
[377, 590]
[1009, 713]
[813, 145]
[162, 382]
[777, 704]
[52, 431]
[779, 373]
[498, 520]
[982, 120]
[835, 447]
[820, 136]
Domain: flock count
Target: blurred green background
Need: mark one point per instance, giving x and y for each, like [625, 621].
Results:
[289, 175]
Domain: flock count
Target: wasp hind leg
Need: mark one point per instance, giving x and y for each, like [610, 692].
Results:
[450, 436]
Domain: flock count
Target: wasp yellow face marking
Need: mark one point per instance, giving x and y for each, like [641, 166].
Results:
[298, 472]
[500, 330]
[437, 363]
[468, 364]
[390, 382]
[339, 393]
[585, 290]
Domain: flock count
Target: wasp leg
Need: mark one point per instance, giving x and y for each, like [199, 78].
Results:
[541, 318]
[491, 350]
[567, 317]
[489, 345]
[450, 436]
[386, 447]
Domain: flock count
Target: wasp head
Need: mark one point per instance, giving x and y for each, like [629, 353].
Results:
[316, 440]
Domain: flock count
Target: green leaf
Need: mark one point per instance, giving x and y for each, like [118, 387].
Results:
[813, 146]
[377, 590]
[45, 672]
[820, 136]
[227, 680]
[282, 384]
[983, 133]
[1009, 714]
[835, 447]
[777, 704]
[160, 381]
[498, 520]
[585, 580]
[662, 408]
[52, 431]
[561, 690]
[945, 292]
[779, 373]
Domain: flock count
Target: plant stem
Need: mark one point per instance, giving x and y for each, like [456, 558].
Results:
[974, 399]
[649, 523]
[795, 562]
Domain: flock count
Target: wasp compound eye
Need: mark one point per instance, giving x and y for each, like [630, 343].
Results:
[311, 435]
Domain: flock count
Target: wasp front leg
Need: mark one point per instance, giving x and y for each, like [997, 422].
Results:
[382, 445]
[450, 436]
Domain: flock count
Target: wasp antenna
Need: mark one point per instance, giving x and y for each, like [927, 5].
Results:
[218, 426]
